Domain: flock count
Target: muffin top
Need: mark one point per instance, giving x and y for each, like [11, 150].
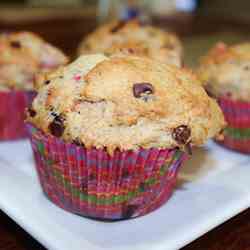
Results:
[125, 103]
[133, 38]
[225, 71]
[22, 55]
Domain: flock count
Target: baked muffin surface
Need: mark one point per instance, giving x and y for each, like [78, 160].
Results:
[22, 55]
[225, 71]
[133, 38]
[125, 103]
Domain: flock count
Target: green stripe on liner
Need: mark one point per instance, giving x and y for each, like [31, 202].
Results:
[40, 148]
[115, 199]
[238, 133]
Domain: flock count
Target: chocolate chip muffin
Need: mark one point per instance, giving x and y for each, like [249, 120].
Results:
[133, 38]
[126, 103]
[225, 73]
[22, 55]
[109, 133]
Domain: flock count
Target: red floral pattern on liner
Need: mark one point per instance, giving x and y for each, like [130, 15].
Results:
[12, 113]
[91, 183]
[237, 115]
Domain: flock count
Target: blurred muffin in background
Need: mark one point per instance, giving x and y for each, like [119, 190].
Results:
[133, 38]
[22, 56]
[225, 73]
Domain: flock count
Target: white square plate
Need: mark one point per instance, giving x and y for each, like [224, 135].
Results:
[213, 186]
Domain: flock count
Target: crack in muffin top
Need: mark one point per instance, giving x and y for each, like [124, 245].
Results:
[225, 71]
[22, 55]
[133, 38]
[125, 103]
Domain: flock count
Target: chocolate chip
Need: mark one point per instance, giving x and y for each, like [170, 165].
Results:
[56, 127]
[247, 67]
[181, 134]
[15, 44]
[144, 88]
[53, 113]
[31, 112]
[128, 211]
[130, 50]
[119, 26]
[47, 82]
[77, 142]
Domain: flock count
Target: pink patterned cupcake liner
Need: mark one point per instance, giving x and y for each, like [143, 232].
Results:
[94, 184]
[12, 113]
[237, 133]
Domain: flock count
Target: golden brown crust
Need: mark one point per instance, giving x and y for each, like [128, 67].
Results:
[126, 103]
[225, 71]
[22, 55]
[132, 38]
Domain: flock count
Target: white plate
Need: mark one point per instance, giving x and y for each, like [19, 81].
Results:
[213, 186]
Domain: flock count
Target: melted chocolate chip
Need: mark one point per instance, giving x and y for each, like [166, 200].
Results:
[119, 26]
[47, 82]
[15, 44]
[56, 127]
[181, 134]
[144, 88]
[128, 211]
[31, 112]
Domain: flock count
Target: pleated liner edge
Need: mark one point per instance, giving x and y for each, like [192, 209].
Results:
[91, 183]
[237, 133]
[12, 114]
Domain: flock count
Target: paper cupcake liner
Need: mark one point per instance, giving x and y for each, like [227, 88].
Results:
[91, 183]
[12, 113]
[237, 133]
